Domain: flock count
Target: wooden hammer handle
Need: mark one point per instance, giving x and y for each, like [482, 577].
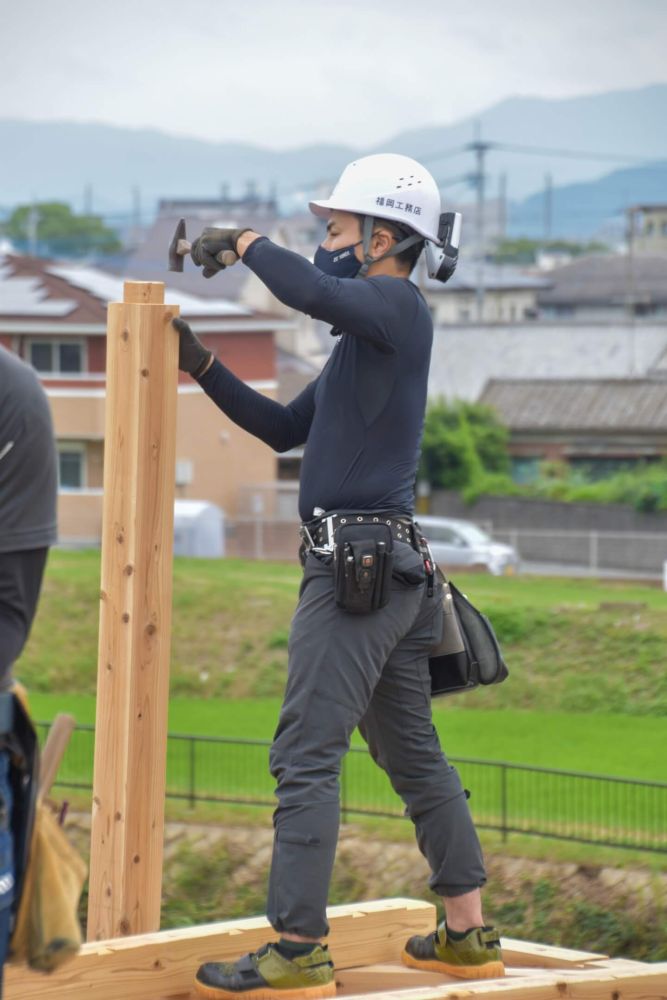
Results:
[226, 257]
[53, 752]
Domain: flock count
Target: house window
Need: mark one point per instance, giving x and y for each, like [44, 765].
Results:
[71, 466]
[525, 468]
[57, 356]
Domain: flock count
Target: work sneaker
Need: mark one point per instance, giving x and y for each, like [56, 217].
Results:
[265, 974]
[477, 956]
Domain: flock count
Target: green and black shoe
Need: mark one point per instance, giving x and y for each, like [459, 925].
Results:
[267, 974]
[476, 956]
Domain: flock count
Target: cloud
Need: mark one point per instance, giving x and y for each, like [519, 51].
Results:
[305, 70]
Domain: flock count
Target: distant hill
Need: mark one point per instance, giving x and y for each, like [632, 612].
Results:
[48, 160]
[580, 211]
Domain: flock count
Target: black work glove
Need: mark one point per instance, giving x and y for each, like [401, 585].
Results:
[192, 355]
[205, 248]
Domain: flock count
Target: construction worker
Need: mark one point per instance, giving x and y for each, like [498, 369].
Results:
[28, 493]
[361, 422]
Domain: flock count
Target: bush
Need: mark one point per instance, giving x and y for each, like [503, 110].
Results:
[644, 488]
[462, 443]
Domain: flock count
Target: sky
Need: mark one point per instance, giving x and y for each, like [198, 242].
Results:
[283, 73]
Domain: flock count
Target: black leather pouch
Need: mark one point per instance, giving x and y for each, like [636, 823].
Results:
[363, 559]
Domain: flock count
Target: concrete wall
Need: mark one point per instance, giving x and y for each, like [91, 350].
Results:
[500, 306]
[466, 356]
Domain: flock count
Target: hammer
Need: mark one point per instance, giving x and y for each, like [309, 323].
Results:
[179, 247]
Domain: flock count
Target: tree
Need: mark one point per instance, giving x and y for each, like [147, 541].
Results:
[57, 231]
[462, 442]
[523, 250]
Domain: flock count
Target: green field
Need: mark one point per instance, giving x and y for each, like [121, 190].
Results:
[622, 745]
[587, 689]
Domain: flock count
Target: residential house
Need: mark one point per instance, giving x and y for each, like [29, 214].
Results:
[603, 288]
[600, 425]
[54, 316]
[648, 229]
[508, 294]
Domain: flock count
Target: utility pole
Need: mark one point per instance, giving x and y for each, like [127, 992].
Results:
[502, 206]
[32, 223]
[480, 149]
[548, 207]
[630, 298]
[134, 228]
[88, 199]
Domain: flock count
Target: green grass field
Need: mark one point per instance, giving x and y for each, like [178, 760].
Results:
[622, 745]
[587, 689]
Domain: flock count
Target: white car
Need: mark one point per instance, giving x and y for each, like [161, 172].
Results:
[461, 543]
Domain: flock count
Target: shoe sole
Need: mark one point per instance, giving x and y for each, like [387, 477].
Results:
[267, 992]
[490, 970]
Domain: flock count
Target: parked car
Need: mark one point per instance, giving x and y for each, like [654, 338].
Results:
[461, 543]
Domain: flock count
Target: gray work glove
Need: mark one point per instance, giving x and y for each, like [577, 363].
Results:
[204, 249]
[192, 355]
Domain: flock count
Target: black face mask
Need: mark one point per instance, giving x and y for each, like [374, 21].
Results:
[340, 263]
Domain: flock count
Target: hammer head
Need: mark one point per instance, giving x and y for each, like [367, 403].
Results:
[176, 258]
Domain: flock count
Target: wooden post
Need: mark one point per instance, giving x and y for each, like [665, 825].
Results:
[135, 615]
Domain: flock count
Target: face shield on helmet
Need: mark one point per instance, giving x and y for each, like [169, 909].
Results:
[397, 189]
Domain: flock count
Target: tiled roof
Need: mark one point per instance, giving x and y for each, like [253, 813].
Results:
[109, 288]
[27, 296]
[32, 287]
[579, 404]
[608, 280]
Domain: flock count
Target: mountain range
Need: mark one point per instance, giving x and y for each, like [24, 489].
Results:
[60, 160]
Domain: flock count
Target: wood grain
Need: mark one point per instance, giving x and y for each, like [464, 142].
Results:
[135, 615]
[152, 966]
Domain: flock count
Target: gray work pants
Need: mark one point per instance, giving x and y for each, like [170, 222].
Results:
[369, 671]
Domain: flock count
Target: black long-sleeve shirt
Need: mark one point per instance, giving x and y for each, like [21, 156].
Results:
[361, 420]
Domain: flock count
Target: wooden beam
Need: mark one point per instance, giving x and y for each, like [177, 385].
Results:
[135, 615]
[152, 966]
[544, 956]
[390, 980]
[582, 984]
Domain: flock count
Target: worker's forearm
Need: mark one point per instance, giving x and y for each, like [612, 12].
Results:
[281, 427]
[244, 241]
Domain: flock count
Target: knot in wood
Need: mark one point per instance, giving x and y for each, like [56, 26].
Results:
[126, 616]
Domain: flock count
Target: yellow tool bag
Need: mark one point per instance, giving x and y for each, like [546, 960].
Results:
[47, 930]
[50, 872]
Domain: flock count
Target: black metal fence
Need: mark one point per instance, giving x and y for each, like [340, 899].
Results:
[508, 798]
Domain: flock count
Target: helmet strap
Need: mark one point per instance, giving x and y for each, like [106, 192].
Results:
[367, 234]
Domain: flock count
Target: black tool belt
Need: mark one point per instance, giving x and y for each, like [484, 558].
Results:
[361, 546]
[320, 533]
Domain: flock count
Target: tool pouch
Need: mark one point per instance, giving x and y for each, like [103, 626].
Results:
[363, 559]
[468, 653]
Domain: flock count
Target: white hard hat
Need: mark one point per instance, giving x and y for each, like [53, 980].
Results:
[387, 186]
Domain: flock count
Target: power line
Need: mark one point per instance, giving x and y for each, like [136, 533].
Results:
[570, 153]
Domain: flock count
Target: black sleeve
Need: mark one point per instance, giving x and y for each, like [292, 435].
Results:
[359, 307]
[281, 427]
